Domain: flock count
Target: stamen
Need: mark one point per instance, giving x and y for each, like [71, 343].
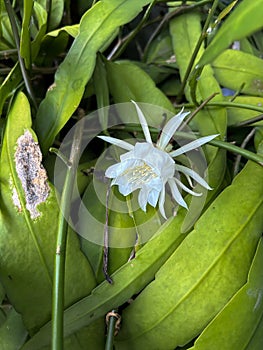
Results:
[140, 174]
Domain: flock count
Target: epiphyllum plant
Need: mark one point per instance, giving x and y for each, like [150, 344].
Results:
[149, 167]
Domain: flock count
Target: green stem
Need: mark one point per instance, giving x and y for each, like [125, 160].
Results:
[59, 269]
[196, 49]
[11, 15]
[225, 104]
[125, 42]
[111, 330]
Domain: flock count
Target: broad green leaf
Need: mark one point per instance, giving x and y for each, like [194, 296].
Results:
[72, 30]
[125, 73]
[13, 332]
[25, 43]
[243, 314]
[10, 84]
[41, 16]
[245, 19]
[128, 280]
[97, 27]
[56, 13]
[236, 69]
[203, 273]
[237, 115]
[28, 207]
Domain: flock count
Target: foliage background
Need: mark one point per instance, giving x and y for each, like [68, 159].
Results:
[201, 289]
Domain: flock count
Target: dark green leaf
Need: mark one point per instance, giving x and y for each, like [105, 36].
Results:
[97, 28]
[245, 19]
[123, 77]
[12, 332]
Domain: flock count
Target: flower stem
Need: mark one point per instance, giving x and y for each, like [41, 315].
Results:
[59, 269]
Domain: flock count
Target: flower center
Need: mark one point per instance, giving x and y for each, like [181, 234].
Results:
[140, 174]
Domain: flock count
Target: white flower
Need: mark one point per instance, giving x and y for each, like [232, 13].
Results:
[150, 167]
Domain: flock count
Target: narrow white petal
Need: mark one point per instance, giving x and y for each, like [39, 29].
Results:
[161, 203]
[176, 193]
[117, 142]
[186, 189]
[170, 128]
[193, 175]
[192, 145]
[143, 123]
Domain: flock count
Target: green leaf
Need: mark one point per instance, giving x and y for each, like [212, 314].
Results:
[6, 34]
[237, 115]
[28, 207]
[72, 30]
[12, 332]
[125, 73]
[237, 26]
[97, 27]
[101, 91]
[128, 280]
[203, 273]
[235, 69]
[122, 226]
[243, 313]
[56, 13]
[10, 84]
[25, 43]
[41, 16]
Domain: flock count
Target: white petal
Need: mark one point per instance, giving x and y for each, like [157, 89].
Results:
[143, 197]
[143, 123]
[117, 142]
[193, 174]
[192, 145]
[161, 203]
[170, 128]
[176, 193]
[153, 197]
[186, 189]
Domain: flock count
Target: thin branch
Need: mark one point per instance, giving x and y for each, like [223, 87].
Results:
[196, 49]
[243, 145]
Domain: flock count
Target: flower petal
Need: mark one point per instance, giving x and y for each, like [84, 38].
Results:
[186, 189]
[117, 142]
[170, 128]
[192, 145]
[143, 123]
[193, 174]
[176, 193]
[153, 197]
[161, 203]
[143, 197]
